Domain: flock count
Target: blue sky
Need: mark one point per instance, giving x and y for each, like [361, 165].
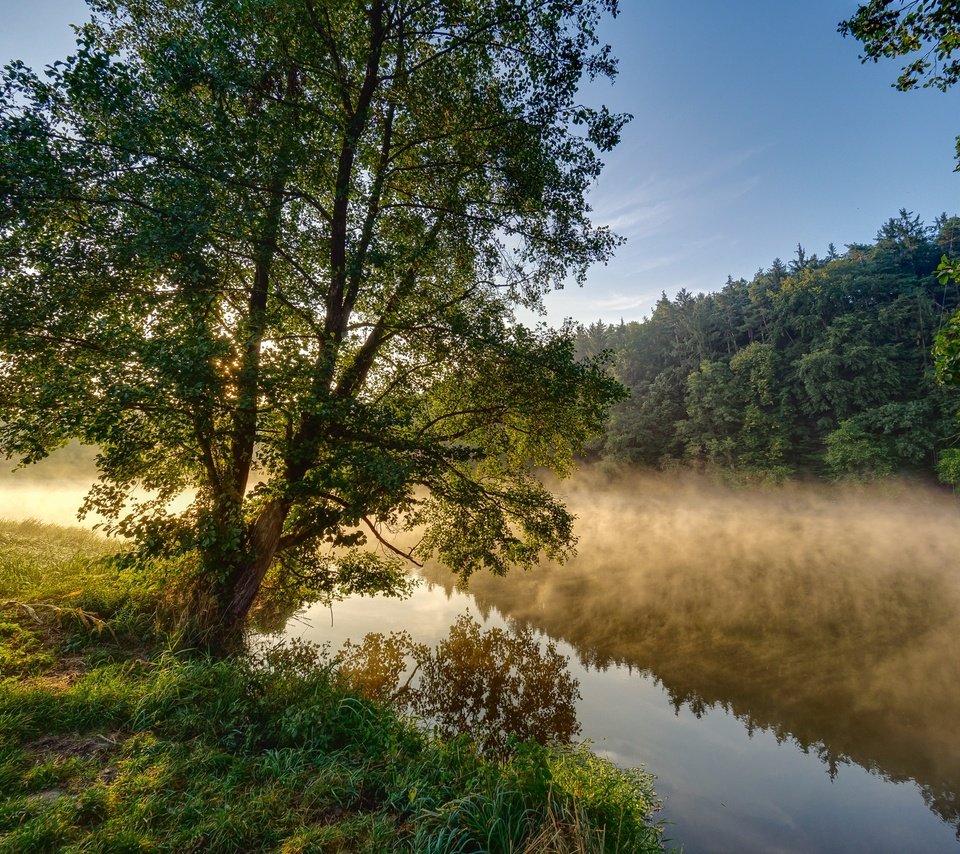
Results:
[755, 128]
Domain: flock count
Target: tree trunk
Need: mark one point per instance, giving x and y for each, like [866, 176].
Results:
[244, 583]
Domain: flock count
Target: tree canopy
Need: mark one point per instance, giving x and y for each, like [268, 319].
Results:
[819, 366]
[268, 252]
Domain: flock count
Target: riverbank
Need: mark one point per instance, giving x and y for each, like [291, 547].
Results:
[113, 739]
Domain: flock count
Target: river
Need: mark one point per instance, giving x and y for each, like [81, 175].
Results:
[786, 660]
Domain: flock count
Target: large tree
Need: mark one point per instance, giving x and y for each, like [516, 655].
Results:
[268, 253]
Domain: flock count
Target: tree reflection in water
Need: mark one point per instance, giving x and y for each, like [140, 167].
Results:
[493, 684]
[827, 617]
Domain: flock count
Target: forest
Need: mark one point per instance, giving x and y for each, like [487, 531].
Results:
[817, 366]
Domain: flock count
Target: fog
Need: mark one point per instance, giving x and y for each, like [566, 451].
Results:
[51, 490]
[54, 489]
[827, 614]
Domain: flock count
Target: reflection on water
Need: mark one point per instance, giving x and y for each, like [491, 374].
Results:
[786, 660]
[491, 683]
[827, 617]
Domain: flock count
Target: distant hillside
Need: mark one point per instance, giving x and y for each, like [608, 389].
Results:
[820, 365]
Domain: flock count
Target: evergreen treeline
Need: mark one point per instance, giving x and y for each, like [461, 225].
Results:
[820, 365]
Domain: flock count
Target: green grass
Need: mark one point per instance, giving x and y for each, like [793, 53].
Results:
[50, 562]
[111, 742]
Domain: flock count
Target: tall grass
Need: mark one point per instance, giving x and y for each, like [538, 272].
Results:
[110, 740]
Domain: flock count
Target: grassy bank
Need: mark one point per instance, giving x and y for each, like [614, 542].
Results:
[113, 740]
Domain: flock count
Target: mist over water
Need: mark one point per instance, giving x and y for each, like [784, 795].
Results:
[51, 490]
[826, 617]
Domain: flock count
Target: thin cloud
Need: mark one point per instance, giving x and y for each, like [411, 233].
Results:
[649, 208]
[627, 302]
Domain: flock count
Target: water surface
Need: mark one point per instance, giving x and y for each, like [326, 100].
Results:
[786, 661]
